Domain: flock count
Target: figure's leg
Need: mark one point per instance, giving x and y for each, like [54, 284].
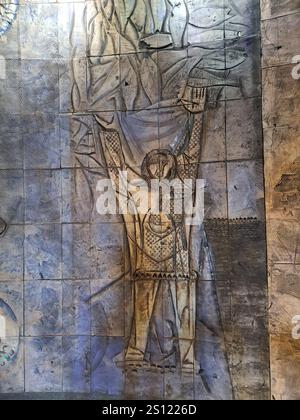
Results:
[144, 302]
[184, 300]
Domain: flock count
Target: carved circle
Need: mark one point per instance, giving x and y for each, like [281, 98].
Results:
[160, 224]
[159, 164]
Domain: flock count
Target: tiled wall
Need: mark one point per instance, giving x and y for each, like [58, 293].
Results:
[281, 107]
[58, 253]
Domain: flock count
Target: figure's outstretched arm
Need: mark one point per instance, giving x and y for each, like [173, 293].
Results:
[194, 101]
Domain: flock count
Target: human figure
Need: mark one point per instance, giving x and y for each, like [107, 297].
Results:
[159, 248]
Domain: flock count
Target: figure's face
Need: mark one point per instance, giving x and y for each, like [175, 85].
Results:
[159, 164]
[161, 168]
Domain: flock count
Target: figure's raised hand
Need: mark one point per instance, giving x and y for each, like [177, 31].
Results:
[194, 98]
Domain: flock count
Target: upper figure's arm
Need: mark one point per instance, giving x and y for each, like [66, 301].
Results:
[194, 101]
[102, 17]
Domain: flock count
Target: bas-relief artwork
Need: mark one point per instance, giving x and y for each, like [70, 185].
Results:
[140, 306]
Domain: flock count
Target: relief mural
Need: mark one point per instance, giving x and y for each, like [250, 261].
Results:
[140, 305]
[159, 66]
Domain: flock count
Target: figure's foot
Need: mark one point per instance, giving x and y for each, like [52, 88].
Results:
[134, 354]
[134, 359]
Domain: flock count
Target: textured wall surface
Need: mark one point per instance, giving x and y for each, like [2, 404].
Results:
[94, 86]
[281, 107]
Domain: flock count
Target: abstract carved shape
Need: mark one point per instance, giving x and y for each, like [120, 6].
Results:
[289, 189]
[3, 227]
[290, 181]
[159, 40]
[8, 13]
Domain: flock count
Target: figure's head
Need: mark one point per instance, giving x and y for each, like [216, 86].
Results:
[159, 164]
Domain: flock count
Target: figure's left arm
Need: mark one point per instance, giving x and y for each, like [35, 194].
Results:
[194, 100]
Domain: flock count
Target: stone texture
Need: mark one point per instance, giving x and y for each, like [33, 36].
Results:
[41, 141]
[244, 138]
[106, 377]
[249, 71]
[245, 190]
[43, 196]
[280, 40]
[273, 8]
[78, 136]
[39, 39]
[107, 244]
[214, 175]
[281, 97]
[107, 309]
[76, 308]
[10, 86]
[39, 86]
[11, 141]
[12, 196]
[67, 69]
[214, 148]
[43, 364]
[76, 364]
[76, 251]
[249, 312]
[12, 254]
[284, 347]
[76, 196]
[43, 300]
[279, 142]
[281, 106]
[43, 252]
